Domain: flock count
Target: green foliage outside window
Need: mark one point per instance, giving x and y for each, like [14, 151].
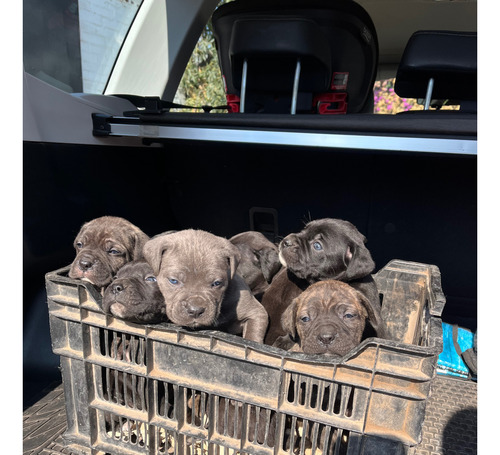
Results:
[202, 82]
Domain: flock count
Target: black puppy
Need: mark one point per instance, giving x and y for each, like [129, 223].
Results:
[259, 260]
[134, 295]
[325, 249]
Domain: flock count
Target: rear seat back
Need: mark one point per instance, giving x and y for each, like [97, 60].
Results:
[439, 65]
[318, 55]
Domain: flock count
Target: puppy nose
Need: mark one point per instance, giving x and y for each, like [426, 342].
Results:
[117, 288]
[194, 311]
[326, 338]
[85, 264]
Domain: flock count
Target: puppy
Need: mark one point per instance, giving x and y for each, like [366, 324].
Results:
[329, 317]
[196, 273]
[325, 249]
[134, 295]
[103, 246]
[259, 260]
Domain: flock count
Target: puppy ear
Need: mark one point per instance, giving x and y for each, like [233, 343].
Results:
[269, 263]
[359, 261]
[234, 257]
[140, 239]
[374, 315]
[80, 234]
[288, 319]
[153, 251]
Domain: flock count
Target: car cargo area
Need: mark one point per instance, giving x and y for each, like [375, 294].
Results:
[412, 206]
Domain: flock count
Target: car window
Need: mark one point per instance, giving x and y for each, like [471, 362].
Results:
[202, 83]
[73, 45]
[386, 101]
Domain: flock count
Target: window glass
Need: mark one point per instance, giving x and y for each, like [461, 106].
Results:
[73, 44]
[386, 101]
[202, 83]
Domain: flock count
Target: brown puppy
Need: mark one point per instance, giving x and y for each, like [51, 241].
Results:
[103, 246]
[327, 318]
[325, 249]
[196, 272]
[134, 295]
[259, 260]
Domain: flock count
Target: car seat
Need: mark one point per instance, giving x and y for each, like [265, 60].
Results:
[296, 56]
[440, 67]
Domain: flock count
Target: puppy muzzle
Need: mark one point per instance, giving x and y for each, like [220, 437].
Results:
[118, 310]
[117, 288]
[89, 267]
[195, 311]
[86, 262]
[326, 337]
[288, 249]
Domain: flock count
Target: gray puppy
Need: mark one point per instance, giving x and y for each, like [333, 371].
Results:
[325, 249]
[103, 246]
[196, 273]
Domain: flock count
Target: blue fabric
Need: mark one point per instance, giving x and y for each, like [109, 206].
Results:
[450, 362]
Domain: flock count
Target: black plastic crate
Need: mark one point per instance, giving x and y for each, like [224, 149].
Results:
[174, 391]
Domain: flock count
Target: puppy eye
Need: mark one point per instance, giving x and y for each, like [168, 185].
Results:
[317, 246]
[151, 278]
[305, 318]
[349, 316]
[113, 251]
[173, 281]
[216, 284]
[79, 245]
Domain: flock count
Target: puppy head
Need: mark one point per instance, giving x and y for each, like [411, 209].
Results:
[327, 318]
[193, 269]
[259, 259]
[134, 295]
[103, 246]
[327, 249]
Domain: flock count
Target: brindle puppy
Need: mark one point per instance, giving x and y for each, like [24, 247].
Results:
[103, 246]
[329, 317]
